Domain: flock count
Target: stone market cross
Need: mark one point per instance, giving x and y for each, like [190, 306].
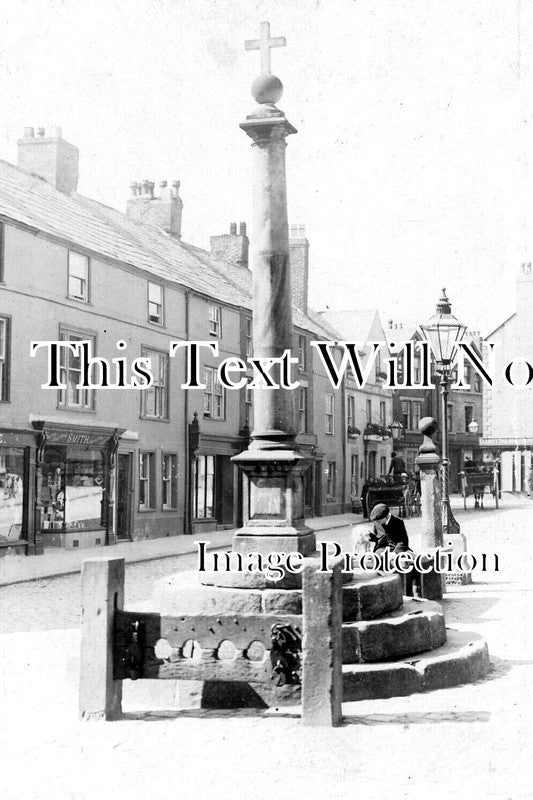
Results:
[265, 43]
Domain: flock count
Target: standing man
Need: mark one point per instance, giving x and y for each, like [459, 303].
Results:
[397, 465]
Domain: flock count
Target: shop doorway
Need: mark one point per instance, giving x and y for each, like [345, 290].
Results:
[124, 495]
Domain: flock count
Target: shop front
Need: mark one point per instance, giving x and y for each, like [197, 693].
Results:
[17, 462]
[75, 470]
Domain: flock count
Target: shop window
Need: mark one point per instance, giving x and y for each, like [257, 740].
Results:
[215, 321]
[146, 481]
[155, 303]
[154, 400]
[383, 465]
[78, 276]
[214, 395]
[169, 475]
[70, 373]
[331, 480]
[477, 383]
[11, 492]
[204, 487]
[72, 489]
[329, 421]
[302, 409]
[4, 359]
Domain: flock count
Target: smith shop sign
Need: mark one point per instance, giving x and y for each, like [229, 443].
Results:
[71, 437]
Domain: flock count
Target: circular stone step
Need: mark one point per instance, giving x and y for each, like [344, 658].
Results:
[364, 597]
[463, 659]
[414, 628]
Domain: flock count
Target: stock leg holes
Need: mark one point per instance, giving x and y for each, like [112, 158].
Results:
[226, 651]
[162, 649]
[191, 649]
[255, 651]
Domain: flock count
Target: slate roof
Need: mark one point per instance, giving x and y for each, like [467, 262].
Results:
[353, 324]
[93, 226]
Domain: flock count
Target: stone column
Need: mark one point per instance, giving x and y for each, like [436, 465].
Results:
[272, 463]
[429, 462]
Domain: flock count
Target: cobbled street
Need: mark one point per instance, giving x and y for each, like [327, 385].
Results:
[54, 603]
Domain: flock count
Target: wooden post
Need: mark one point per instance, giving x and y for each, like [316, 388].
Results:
[322, 644]
[102, 586]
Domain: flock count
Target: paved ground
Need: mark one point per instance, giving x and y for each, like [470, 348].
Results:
[53, 563]
[471, 741]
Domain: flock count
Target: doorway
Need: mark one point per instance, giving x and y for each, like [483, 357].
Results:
[124, 495]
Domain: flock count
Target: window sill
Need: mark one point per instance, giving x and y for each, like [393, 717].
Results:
[77, 410]
[79, 301]
[154, 419]
[165, 509]
[156, 324]
[146, 510]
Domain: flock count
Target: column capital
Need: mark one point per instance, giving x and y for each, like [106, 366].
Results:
[266, 124]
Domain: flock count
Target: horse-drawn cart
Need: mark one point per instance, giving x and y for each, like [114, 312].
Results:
[401, 494]
[474, 483]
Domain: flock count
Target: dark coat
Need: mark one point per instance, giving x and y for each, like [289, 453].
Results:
[394, 535]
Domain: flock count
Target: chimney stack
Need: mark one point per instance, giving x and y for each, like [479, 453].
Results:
[299, 255]
[233, 246]
[162, 212]
[50, 157]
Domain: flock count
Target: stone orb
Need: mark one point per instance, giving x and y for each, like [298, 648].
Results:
[428, 426]
[267, 89]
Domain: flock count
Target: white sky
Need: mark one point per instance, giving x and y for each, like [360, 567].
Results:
[409, 168]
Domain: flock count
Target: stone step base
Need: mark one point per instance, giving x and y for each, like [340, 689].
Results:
[417, 626]
[463, 659]
[366, 596]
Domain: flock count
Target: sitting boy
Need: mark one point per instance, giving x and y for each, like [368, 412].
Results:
[390, 533]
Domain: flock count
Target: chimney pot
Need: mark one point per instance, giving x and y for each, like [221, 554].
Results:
[242, 229]
[29, 133]
[294, 231]
[233, 229]
[391, 324]
[163, 184]
[40, 132]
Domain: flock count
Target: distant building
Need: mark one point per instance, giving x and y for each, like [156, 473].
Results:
[411, 404]
[368, 410]
[508, 412]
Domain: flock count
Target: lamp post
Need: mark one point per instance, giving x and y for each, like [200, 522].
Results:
[443, 331]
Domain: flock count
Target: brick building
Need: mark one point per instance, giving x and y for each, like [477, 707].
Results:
[80, 467]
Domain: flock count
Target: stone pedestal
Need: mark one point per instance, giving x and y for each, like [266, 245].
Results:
[428, 462]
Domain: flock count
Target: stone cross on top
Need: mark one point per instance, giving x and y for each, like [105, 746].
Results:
[265, 43]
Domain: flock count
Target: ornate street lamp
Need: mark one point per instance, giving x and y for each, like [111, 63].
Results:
[443, 331]
[473, 427]
[396, 431]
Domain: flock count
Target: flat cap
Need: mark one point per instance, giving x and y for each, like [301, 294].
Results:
[379, 512]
